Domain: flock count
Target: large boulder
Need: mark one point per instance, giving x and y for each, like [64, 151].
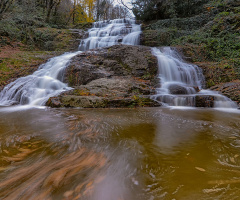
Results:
[119, 60]
[204, 101]
[177, 89]
[117, 76]
[106, 92]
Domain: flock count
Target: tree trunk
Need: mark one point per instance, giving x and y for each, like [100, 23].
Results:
[49, 10]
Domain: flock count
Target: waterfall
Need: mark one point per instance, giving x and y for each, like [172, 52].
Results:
[182, 83]
[112, 32]
[46, 82]
[36, 89]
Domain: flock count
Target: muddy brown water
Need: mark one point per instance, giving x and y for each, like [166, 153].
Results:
[119, 154]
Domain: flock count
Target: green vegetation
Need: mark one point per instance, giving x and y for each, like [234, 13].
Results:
[157, 9]
[219, 39]
[21, 63]
[209, 35]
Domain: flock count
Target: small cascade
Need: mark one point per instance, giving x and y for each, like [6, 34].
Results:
[181, 83]
[112, 32]
[36, 89]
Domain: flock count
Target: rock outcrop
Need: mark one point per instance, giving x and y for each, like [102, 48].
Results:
[117, 76]
[229, 89]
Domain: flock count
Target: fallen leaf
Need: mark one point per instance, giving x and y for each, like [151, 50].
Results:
[232, 160]
[200, 169]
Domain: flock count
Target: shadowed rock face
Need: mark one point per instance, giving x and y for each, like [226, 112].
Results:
[204, 101]
[230, 89]
[117, 76]
[177, 89]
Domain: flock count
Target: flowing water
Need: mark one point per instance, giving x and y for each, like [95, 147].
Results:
[117, 154]
[112, 32]
[37, 88]
[108, 154]
[181, 82]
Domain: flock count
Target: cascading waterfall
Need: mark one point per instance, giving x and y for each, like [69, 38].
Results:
[112, 32]
[46, 82]
[181, 83]
[35, 89]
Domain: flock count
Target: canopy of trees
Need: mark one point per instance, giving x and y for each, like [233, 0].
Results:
[65, 11]
[161, 9]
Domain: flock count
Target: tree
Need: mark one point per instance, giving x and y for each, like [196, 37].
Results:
[106, 10]
[50, 5]
[144, 9]
[83, 11]
[5, 5]
[161, 9]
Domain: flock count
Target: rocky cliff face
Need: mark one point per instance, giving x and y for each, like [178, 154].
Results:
[117, 76]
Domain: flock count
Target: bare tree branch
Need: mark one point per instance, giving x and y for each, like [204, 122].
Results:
[121, 2]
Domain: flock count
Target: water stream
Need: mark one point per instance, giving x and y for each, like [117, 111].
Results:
[112, 32]
[37, 88]
[164, 153]
[181, 83]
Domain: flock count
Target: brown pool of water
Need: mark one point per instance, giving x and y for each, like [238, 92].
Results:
[119, 154]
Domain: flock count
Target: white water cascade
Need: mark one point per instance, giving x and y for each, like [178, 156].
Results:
[181, 83]
[112, 32]
[46, 82]
[36, 89]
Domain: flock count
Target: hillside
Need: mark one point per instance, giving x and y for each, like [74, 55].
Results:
[27, 40]
[210, 39]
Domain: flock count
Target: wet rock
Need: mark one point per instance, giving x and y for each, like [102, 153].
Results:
[229, 89]
[119, 60]
[100, 102]
[204, 101]
[177, 89]
[54, 102]
[116, 76]
[107, 92]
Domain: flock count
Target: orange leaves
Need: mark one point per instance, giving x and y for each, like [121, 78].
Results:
[209, 8]
[82, 92]
[84, 11]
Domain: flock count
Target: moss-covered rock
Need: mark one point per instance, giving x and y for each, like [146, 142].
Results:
[119, 60]
[117, 76]
[107, 92]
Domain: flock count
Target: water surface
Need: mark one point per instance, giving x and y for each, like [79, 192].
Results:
[122, 154]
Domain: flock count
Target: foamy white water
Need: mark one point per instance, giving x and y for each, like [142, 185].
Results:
[112, 32]
[181, 82]
[37, 88]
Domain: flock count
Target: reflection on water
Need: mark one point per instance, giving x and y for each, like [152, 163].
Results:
[119, 154]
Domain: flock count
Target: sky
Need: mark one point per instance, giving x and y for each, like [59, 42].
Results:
[127, 3]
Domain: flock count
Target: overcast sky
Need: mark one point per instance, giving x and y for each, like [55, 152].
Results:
[127, 2]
